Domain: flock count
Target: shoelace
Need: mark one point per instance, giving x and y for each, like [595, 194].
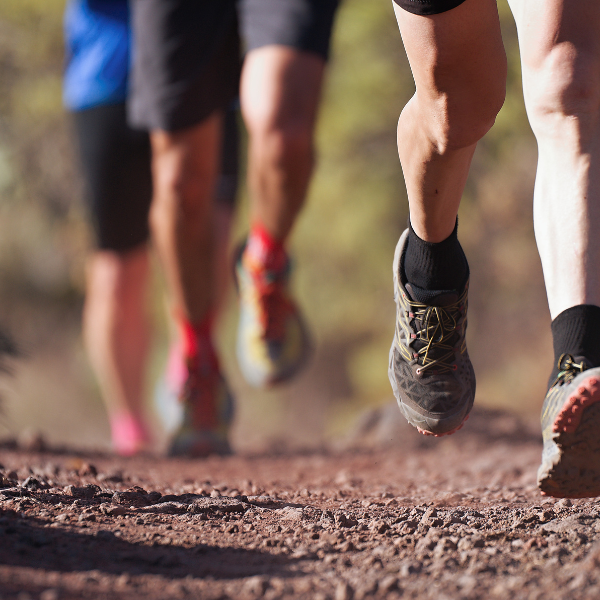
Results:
[438, 326]
[567, 369]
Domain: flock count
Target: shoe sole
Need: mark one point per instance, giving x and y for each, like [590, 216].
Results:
[426, 425]
[200, 448]
[573, 471]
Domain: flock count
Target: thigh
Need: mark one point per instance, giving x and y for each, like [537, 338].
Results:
[186, 61]
[543, 25]
[456, 52]
[280, 88]
[116, 167]
[304, 25]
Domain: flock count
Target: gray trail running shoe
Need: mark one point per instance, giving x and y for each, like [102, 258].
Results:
[429, 369]
[571, 430]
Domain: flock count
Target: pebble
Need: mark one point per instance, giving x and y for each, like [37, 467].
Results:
[343, 591]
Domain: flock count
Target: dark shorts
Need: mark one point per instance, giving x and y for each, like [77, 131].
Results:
[186, 61]
[305, 25]
[187, 52]
[116, 168]
[428, 7]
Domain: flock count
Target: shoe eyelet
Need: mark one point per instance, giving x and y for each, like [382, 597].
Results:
[418, 371]
[454, 367]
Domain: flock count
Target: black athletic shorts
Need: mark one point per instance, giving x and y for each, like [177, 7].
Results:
[187, 52]
[301, 24]
[428, 7]
[186, 61]
[116, 167]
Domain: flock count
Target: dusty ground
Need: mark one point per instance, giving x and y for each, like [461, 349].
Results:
[398, 516]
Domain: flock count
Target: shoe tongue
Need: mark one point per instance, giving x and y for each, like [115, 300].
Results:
[431, 297]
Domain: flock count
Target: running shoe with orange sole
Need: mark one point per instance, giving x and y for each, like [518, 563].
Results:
[571, 432]
[272, 342]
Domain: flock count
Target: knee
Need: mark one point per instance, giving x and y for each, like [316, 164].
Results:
[281, 139]
[180, 194]
[462, 118]
[563, 87]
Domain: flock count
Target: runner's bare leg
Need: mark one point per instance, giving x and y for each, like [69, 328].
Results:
[280, 92]
[185, 165]
[116, 328]
[459, 67]
[560, 52]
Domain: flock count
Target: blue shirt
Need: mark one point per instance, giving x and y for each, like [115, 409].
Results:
[97, 41]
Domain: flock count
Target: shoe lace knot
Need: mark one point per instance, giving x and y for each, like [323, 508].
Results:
[436, 335]
[568, 369]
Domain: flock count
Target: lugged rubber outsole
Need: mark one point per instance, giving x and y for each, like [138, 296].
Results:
[573, 470]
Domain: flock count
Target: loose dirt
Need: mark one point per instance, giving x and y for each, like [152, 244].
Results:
[390, 515]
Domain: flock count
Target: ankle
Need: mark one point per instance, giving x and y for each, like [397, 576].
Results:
[263, 251]
[576, 331]
[129, 433]
[435, 266]
[197, 344]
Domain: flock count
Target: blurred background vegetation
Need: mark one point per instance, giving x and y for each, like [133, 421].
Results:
[343, 245]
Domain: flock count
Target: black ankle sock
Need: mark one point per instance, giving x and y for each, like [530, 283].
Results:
[576, 331]
[435, 267]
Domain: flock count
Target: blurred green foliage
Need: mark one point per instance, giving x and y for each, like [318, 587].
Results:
[343, 241]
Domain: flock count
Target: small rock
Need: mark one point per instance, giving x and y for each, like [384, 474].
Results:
[410, 567]
[131, 498]
[564, 503]
[31, 483]
[88, 469]
[87, 491]
[62, 517]
[113, 511]
[379, 526]
[343, 591]
[215, 494]
[256, 585]
[262, 501]
[342, 520]
[387, 584]
[291, 514]
[87, 517]
[166, 508]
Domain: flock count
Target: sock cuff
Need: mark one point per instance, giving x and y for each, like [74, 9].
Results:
[261, 234]
[196, 336]
[576, 331]
[265, 250]
[451, 239]
[435, 266]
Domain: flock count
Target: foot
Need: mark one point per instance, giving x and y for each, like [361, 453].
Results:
[272, 341]
[207, 411]
[429, 369]
[570, 424]
[129, 433]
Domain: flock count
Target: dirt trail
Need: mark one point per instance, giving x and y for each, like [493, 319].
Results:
[412, 517]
